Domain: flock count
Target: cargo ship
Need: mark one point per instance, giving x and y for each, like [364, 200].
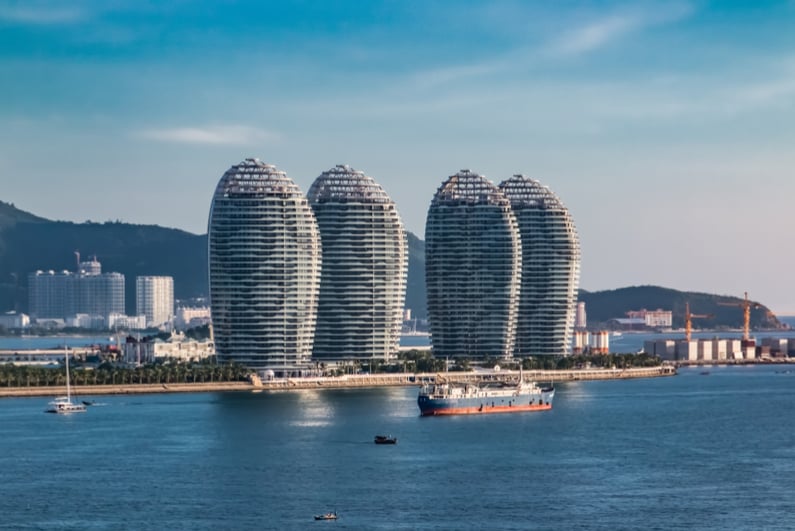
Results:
[493, 397]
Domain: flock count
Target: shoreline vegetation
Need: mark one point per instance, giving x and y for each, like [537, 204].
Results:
[342, 382]
[237, 379]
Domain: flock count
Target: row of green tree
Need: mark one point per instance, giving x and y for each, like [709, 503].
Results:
[111, 374]
[422, 361]
[413, 361]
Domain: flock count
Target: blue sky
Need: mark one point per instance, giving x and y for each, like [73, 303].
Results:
[667, 128]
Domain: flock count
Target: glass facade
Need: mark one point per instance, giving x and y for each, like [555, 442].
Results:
[472, 264]
[365, 262]
[550, 272]
[264, 263]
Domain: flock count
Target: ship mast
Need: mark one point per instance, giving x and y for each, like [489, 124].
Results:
[68, 389]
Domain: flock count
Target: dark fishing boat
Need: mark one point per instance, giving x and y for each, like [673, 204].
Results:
[326, 516]
[385, 439]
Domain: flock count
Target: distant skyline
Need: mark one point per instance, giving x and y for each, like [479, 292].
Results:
[666, 128]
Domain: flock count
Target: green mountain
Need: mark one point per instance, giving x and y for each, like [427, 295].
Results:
[29, 243]
[415, 288]
[723, 311]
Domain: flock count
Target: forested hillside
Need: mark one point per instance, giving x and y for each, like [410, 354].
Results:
[29, 243]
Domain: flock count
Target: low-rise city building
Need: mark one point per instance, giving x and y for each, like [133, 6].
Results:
[191, 317]
[658, 318]
[177, 348]
[120, 321]
[14, 320]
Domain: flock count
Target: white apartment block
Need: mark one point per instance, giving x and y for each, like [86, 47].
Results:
[653, 318]
[154, 297]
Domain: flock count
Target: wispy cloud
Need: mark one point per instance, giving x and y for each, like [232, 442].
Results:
[595, 35]
[581, 38]
[42, 15]
[767, 93]
[449, 74]
[213, 134]
[603, 31]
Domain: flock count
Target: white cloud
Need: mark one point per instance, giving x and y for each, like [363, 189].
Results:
[450, 74]
[771, 92]
[603, 31]
[41, 15]
[578, 40]
[595, 35]
[213, 134]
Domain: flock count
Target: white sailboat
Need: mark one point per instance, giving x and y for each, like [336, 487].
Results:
[63, 404]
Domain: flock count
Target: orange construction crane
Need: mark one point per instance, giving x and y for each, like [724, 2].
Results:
[746, 305]
[689, 320]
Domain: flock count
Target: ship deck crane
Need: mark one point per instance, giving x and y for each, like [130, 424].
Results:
[689, 320]
[746, 305]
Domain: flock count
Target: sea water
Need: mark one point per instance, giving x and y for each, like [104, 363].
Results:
[693, 451]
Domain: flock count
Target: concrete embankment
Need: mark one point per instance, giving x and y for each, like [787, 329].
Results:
[344, 382]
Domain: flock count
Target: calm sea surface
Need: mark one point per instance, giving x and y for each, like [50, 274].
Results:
[694, 451]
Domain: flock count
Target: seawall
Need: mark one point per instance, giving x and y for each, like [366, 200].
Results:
[344, 382]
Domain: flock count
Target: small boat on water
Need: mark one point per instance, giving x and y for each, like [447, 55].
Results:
[326, 516]
[385, 439]
[63, 405]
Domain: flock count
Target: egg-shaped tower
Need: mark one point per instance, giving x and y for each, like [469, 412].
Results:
[365, 262]
[264, 263]
[550, 274]
[472, 264]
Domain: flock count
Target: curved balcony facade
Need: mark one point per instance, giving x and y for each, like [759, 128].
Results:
[365, 263]
[264, 264]
[550, 274]
[472, 264]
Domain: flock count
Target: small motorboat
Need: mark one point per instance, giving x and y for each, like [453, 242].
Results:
[88, 402]
[326, 516]
[385, 439]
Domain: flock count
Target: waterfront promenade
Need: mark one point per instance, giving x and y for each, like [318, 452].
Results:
[346, 382]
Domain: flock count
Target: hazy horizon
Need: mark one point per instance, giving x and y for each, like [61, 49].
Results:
[665, 127]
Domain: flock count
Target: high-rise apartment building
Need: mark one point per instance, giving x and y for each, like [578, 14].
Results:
[264, 264]
[49, 294]
[473, 260]
[364, 267]
[64, 294]
[154, 298]
[550, 273]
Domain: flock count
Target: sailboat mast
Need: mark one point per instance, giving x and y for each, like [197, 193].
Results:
[68, 391]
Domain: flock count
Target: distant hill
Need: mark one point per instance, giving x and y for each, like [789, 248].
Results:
[11, 215]
[29, 243]
[602, 306]
[415, 290]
